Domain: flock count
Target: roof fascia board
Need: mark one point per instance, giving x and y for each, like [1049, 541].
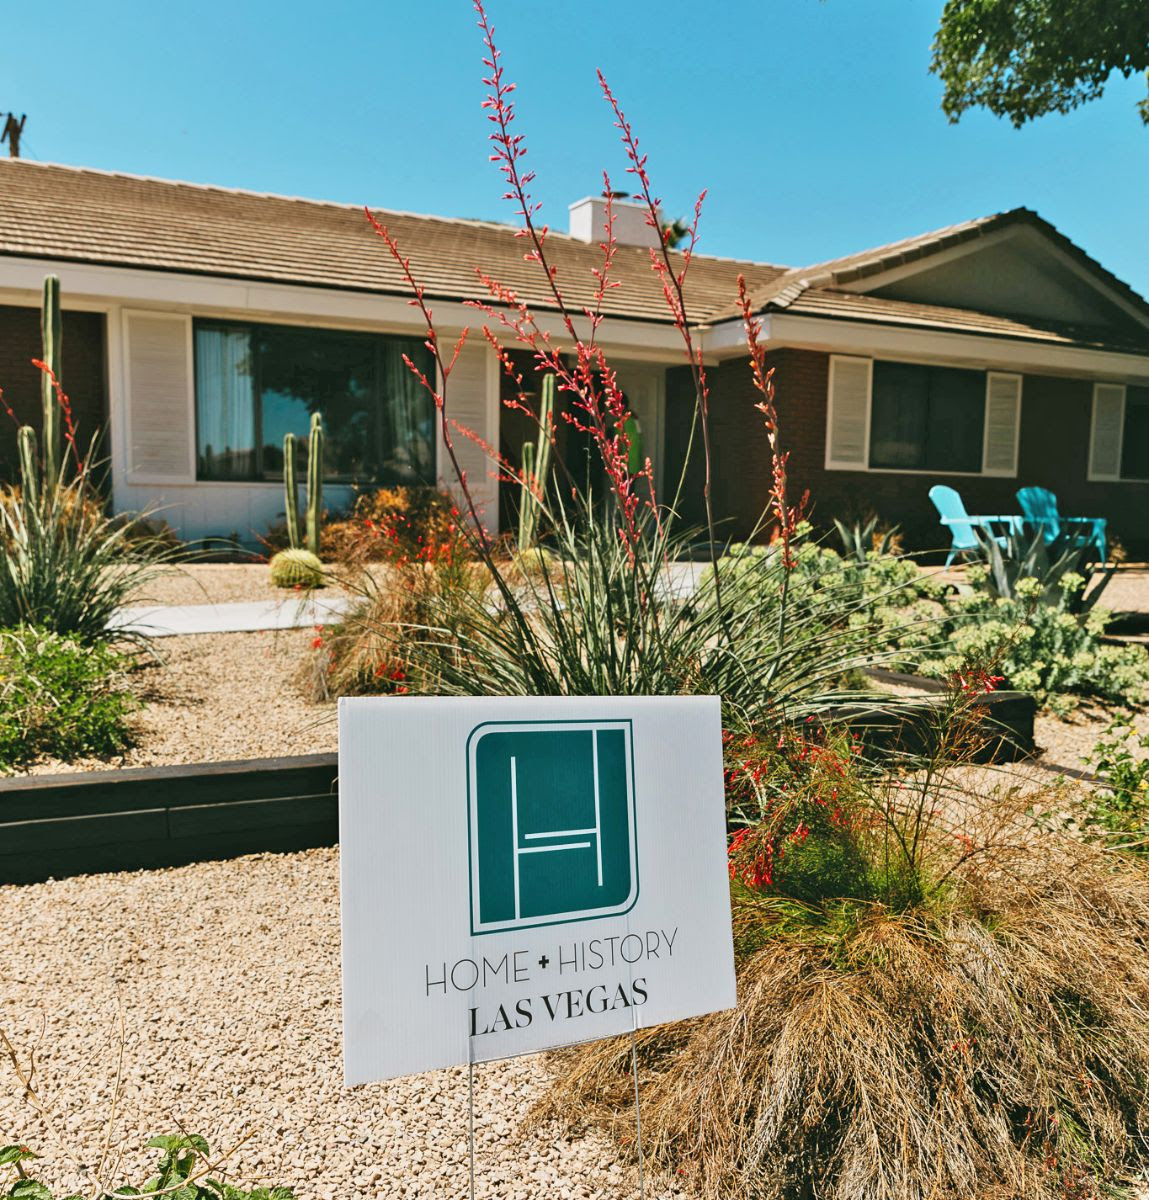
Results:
[872, 340]
[98, 287]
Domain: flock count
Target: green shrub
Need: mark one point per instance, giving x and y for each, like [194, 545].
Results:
[1039, 644]
[65, 565]
[1035, 636]
[1120, 805]
[179, 1174]
[60, 697]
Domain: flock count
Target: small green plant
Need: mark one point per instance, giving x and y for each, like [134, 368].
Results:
[297, 569]
[860, 540]
[60, 697]
[1120, 805]
[181, 1173]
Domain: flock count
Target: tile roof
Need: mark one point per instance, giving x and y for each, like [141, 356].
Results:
[80, 215]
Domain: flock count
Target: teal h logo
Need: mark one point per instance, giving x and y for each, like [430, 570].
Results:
[551, 823]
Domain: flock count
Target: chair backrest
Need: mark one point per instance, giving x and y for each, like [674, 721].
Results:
[1039, 505]
[951, 507]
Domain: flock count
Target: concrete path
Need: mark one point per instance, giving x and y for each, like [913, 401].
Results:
[296, 612]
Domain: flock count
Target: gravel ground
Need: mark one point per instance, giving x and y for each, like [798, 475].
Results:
[221, 696]
[207, 583]
[227, 978]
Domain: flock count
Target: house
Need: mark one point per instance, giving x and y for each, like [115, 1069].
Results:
[202, 323]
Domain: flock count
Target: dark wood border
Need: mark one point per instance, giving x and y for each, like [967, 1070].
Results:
[57, 825]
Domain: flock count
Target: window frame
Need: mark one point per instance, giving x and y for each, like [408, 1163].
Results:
[198, 320]
[838, 465]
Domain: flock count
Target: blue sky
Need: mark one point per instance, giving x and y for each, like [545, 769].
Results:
[814, 123]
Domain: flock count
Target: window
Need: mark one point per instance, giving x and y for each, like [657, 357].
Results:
[927, 418]
[1135, 436]
[898, 416]
[255, 383]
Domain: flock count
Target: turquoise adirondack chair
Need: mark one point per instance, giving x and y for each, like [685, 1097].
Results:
[1040, 508]
[961, 525]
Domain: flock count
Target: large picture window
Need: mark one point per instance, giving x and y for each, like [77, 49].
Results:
[255, 383]
[927, 418]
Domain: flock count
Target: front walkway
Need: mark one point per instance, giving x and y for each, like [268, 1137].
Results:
[249, 616]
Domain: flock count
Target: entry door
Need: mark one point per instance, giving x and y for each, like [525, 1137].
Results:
[645, 389]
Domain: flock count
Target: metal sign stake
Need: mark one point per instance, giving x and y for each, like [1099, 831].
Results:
[637, 1111]
[471, 1122]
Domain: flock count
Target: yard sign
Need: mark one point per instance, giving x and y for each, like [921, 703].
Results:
[522, 874]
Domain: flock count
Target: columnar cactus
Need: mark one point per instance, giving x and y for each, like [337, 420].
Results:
[290, 494]
[314, 483]
[51, 337]
[299, 566]
[29, 468]
[535, 467]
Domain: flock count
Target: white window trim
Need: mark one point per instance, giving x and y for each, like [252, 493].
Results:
[832, 465]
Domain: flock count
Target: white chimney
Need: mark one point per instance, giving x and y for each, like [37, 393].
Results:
[588, 221]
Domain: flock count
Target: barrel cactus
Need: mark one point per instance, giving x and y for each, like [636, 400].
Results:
[297, 569]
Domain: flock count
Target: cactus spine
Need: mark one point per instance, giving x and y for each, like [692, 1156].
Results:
[314, 488]
[51, 337]
[536, 466]
[314, 483]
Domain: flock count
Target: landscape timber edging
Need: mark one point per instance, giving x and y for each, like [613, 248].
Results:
[141, 817]
[1006, 720]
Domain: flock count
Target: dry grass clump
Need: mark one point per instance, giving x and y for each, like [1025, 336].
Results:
[995, 1045]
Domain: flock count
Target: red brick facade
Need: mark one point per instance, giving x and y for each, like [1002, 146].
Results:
[1054, 446]
[82, 374]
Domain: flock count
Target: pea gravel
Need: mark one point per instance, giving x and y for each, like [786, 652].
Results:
[227, 978]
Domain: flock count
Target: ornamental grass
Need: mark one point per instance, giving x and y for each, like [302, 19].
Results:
[992, 1042]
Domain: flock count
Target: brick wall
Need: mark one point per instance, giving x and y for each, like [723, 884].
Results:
[82, 374]
[1053, 453]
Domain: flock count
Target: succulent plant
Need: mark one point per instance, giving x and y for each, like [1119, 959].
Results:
[296, 568]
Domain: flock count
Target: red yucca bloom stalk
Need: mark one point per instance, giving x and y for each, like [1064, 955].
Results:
[66, 408]
[786, 515]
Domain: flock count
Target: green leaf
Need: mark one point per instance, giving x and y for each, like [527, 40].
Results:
[14, 1154]
[165, 1141]
[282, 1193]
[29, 1189]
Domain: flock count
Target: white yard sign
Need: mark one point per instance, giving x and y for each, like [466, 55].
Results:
[521, 874]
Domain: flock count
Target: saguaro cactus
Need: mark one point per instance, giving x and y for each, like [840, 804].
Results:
[51, 338]
[314, 483]
[536, 465]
